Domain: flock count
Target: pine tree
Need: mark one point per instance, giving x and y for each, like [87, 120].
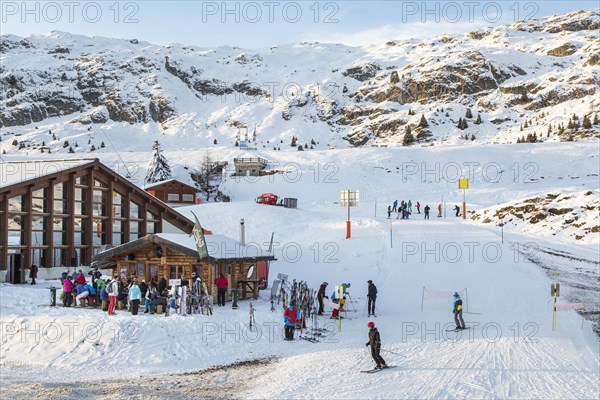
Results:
[66, 144]
[306, 145]
[71, 150]
[549, 129]
[15, 142]
[469, 114]
[596, 120]
[408, 136]
[478, 120]
[587, 124]
[521, 128]
[43, 143]
[300, 148]
[102, 145]
[158, 167]
[312, 142]
[570, 124]
[93, 148]
[525, 125]
[411, 112]
[460, 124]
[215, 141]
[472, 136]
[423, 122]
[237, 144]
[447, 115]
[293, 143]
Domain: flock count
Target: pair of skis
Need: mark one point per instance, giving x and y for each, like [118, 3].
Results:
[372, 371]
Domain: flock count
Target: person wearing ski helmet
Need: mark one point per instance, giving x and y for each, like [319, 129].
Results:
[458, 310]
[375, 343]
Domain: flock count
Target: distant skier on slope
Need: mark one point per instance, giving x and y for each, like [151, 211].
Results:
[418, 207]
[457, 210]
[389, 212]
[409, 206]
[395, 206]
[427, 211]
[439, 210]
[372, 296]
[458, 310]
[375, 343]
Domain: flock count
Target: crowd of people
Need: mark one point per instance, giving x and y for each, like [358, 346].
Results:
[121, 293]
[405, 209]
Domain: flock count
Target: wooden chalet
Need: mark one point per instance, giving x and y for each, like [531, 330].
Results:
[173, 192]
[59, 213]
[174, 256]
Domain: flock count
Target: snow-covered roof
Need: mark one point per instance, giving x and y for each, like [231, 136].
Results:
[218, 246]
[14, 172]
[151, 185]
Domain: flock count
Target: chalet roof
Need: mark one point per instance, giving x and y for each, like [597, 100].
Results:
[159, 183]
[16, 172]
[219, 247]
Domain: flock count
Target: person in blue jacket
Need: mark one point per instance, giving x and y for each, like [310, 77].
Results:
[135, 295]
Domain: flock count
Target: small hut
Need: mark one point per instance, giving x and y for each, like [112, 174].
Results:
[173, 256]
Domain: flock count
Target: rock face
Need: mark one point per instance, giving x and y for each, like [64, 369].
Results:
[360, 95]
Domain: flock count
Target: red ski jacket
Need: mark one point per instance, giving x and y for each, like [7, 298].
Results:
[292, 315]
[221, 282]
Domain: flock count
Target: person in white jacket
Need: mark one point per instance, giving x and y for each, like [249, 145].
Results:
[113, 291]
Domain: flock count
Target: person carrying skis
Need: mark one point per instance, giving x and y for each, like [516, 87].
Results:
[222, 284]
[395, 206]
[418, 207]
[458, 310]
[426, 209]
[321, 296]
[290, 318]
[372, 296]
[375, 343]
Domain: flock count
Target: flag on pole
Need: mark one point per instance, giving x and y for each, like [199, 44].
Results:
[199, 238]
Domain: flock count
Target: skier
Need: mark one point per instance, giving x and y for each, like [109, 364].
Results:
[460, 322]
[375, 343]
[457, 210]
[395, 206]
[290, 318]
[33, 273]
[222, 284]
[320, 296]
[389, 212]
[427, 211]
[409, 205]
[372, 296]
[439, 210]
[418, 206]
[135, 295]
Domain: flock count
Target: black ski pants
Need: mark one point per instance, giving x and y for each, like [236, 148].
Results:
[135, 305]
[221, 296]
[289, 332]
[458, 317]
[377, 357]
[371, 305]
[321, 305]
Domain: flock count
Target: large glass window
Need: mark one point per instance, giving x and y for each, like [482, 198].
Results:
[38, 201]
[135, 211]
[100, 202]
[16, 204]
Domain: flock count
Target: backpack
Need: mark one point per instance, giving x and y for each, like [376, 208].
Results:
[108, 287]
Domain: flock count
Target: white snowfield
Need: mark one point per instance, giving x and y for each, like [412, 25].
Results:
[510, 350]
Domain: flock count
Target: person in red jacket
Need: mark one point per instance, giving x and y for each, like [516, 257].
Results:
[222, 284]
[80, 278]
[290, 318]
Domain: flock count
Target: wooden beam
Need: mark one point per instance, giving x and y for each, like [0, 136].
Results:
[28, 221]
[4, 232]
[109, 213]
[49, 240]
[70, 196]
[89, 222]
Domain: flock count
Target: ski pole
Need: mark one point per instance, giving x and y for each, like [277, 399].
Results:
[388, 351]
[468, 312]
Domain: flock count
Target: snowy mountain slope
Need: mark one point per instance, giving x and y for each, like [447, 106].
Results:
[535, 73]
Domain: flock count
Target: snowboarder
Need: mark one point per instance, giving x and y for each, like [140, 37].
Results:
[372, 296]
[395, 206]
[439, 210]
[135, 295]
[389, 212]
[458, 310]
[222, 284]
[290, 318]
[375, 343]
[457, 210]
[418, 206]
[426, 209]
[320, 296]
[33, 273]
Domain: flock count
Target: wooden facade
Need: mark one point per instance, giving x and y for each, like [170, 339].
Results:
[68, 211]
[173, 192]
[152, 258]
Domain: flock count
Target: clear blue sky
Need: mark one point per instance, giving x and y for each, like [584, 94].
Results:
[254, 24]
